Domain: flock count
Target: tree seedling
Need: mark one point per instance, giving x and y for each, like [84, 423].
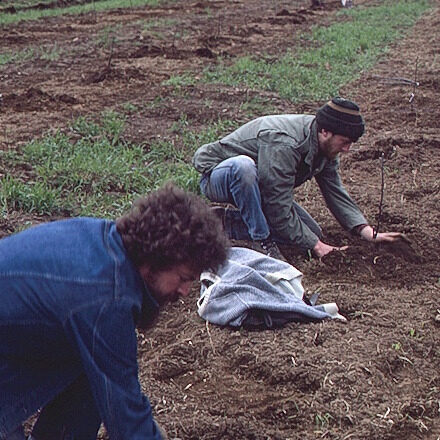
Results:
[382, 190]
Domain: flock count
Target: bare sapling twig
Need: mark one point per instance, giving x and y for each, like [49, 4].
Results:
[219, 27]
[210, 338]
[109, 64]
[101, 76]
[382, 191]
[178, 33]
[415, 84]
[173, 42]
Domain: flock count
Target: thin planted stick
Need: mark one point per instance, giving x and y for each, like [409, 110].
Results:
[109, 64]
[415, 84]
[209, 335]
[382, 191]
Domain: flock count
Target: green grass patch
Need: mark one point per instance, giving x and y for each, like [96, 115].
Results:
[13, 57]
[179, 81]
[90, 170]
[45, 53]
[20, 4]
[17, 195]
[94, 6]
[328, 57]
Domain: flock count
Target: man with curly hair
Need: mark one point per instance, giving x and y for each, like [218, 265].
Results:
[71, 295]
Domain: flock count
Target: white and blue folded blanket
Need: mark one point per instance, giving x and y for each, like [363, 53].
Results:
[256, 290]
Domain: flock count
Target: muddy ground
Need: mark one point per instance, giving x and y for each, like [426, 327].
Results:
[376, 376]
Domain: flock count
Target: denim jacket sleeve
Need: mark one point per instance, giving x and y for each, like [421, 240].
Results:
[278, 161]
[337, 199]
[105, 336]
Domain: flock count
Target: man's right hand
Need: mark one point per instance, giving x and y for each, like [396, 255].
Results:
[367, 233]
[321, 249]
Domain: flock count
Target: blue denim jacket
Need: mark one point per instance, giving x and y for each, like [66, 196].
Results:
[69, 298]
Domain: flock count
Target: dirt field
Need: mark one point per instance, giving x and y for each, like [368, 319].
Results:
[376, 376]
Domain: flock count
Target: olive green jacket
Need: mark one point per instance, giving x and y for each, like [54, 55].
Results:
[285, 151]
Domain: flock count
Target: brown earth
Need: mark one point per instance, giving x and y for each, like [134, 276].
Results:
[374, 377]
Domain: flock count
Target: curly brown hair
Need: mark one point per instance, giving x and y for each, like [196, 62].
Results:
[171, 226]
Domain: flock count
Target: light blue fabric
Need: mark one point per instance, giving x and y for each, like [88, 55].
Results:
[250, 281]
[69, 299]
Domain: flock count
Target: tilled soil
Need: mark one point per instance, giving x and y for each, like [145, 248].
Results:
[374, 377]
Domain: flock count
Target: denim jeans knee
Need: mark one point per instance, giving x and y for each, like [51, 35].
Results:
[245, 171]
[235, 181]
[239, 171]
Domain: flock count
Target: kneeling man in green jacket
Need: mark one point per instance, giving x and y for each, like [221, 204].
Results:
[257, 167]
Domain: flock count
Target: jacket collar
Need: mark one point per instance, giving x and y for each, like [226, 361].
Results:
[311, 142]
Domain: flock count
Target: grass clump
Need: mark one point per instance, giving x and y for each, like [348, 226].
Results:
[95, 6]
[44, 53]
[17, 195]
[81, 172]
[11, 57]
[328, 57]
[90, 170]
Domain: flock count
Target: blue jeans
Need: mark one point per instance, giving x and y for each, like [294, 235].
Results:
[235, 181]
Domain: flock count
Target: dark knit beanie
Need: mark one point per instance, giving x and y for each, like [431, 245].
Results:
[341, 116]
